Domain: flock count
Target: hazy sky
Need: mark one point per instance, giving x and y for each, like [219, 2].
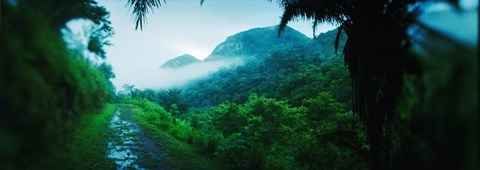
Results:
[179, 27]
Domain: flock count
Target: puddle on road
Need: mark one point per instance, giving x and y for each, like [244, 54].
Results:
[124, 143]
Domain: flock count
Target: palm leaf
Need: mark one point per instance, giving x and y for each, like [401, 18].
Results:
[141, 8]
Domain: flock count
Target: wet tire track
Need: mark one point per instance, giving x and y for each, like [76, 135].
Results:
[129, 147]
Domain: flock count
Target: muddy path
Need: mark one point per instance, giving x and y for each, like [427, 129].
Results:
[129, 147]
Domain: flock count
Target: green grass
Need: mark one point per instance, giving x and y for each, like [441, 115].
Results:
[86, 147]
[179, 154]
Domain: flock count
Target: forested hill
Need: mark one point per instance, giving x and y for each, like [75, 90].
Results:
[258, 43]
[291, 71]
[326, 43]
[180, 61]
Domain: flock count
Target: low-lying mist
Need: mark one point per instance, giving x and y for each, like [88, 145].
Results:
[164, 78]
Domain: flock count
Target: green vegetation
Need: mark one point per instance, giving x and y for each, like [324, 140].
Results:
[247, 44]
[178, 139]
[288, 110]
[294, 104]
[261, 133]
[380, 38]
[85, 148]
[292, 76]
[46, 87]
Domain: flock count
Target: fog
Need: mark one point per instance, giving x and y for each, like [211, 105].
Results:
[180, 27]
[164, 78]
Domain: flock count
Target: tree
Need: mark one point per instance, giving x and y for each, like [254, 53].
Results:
[98, 39]
[107, 70]
[108, 74]
[375, 54]
[149, 94]
[172, 100]
[130, 88]
[62, 11]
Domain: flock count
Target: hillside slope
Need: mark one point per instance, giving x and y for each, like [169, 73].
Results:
[180, 61]
[258, 43]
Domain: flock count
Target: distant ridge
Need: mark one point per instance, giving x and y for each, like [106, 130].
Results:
[180, 61]
[257, 42]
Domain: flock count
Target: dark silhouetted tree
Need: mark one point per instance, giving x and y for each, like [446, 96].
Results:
[130, 89]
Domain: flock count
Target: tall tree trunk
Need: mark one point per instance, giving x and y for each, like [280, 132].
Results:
[375, 64]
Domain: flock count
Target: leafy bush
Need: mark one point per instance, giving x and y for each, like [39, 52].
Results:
[257, 133]
[206, 142]
[268, 134]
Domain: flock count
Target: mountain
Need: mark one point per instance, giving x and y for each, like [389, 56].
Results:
[180, 61]
[326, 42]
[258, 43]
[291, 72]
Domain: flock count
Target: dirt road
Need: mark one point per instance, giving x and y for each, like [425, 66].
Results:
[129, 147]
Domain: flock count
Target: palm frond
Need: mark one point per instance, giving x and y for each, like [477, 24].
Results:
[324, 11]
[287, 16]
[141, 8]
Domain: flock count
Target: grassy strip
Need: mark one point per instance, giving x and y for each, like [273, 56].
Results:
[86, 147]
[180, 154]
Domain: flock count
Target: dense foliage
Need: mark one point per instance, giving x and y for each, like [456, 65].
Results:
[380, 36]
[288, 110]
[292, 74]
[260, 43]
[45, 87]
[269, 134]
[292, 105]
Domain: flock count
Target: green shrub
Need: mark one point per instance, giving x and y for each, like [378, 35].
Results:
[264, 133]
